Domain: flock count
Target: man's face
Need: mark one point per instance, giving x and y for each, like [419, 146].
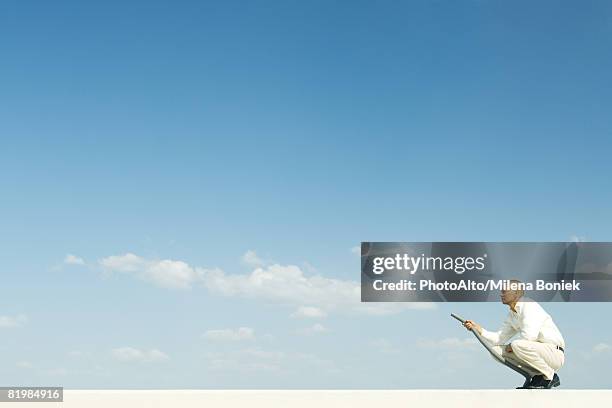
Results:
[508, 296]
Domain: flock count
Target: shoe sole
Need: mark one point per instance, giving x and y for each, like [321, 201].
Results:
[553, 385]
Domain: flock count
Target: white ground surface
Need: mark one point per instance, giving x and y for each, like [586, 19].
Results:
[319, 399]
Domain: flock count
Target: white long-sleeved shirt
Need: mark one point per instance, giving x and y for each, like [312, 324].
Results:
[530, 321]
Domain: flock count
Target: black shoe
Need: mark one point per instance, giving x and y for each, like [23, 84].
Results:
[548, 384]
[536, 380]
[555, 382]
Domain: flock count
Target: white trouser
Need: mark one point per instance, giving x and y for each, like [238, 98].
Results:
[534, 357]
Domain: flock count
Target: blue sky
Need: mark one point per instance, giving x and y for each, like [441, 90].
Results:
[195, 132]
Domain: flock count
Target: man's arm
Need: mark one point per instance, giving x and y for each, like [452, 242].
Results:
[495, 338]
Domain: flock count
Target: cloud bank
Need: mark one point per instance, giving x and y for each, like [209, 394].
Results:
[284, 284]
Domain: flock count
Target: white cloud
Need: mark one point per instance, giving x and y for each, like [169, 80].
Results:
[243, 333]
[356, 250]
[314, 329]
[13, 321]
[130, 354]
[289, 285]
[124, 263]
[165, 273]
[450, 343]
[309, 312]
[73, 260]
[250, 258]
[308, 268]
[602, 348]
[286, 284]
[171, 274]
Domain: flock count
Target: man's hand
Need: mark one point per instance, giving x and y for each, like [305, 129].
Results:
[471, 325]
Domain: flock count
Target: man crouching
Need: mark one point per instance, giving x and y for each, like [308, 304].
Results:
[539, 345]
